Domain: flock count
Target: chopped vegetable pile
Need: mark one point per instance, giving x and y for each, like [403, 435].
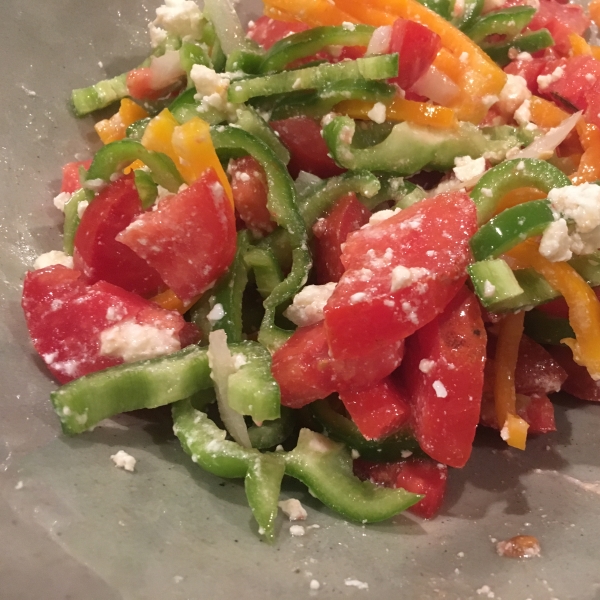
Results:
[335, 243]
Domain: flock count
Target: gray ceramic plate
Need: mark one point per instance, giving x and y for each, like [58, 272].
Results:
[80, 528]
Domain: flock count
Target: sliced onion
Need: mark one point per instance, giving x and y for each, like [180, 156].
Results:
[228, 27]
[380, 41]
[436, 86]
[545, 145]
[222, 365]
[166, 70]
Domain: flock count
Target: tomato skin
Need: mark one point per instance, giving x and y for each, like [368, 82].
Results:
[445, 417]
[305, 371]
[70, 175]
[65, 317]
[331, 232]
[139, 85]
[529, 70]
[189, 239]
[416, 475]
[537, 411]
[96, 251]
[249, 187]
[377, 411]
[578, 383]
[417, 46]
[302, 137]
[266, 31]
[363, 314]
[537, 372]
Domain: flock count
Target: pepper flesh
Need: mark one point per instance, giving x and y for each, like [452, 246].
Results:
[113, 129]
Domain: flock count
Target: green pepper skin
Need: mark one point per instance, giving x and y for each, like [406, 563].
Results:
[510, 175]
[146, 188]
[507, 21]
[100, 95]
[528, 42]
[272, 433]
[471, 11]
[136, 130]
[547, 329]
[84, 402]
[249, 120]
[266, 269]
[191, 54]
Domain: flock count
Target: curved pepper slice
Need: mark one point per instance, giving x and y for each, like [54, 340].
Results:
[507, 22]
[113, 129]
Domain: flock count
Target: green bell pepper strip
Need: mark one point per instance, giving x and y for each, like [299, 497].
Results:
[146, 188]
[249, 120]
[267, 271]
[495, 283]
[470, 12]
[444, 8]
[184, 107]
[191, 54]
[510, 175]
[408, 148]
[547, 329]
[401, 192]
[72, 218]
[325, 467]
[528, 42]
[100, 95]
[507, 21]
[84, 402]
[248, 61]
[136, 130]
[390, 449]
[307, 43]
[511, 227]
[272, 433]
[373, 67]
[281, 202]
[117, 155]
[251, 390]
[263, 485]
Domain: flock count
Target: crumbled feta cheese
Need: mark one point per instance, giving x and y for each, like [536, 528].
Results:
[239, 360]
[406, 453]
[216, 314]
[355, 454]
[179, 17]
[54, 257]
[523, 113]
[377, 113]
[544, 81]
[211, 86]
[439, 388]
[297, 530]
[464, 58]
[361, 585]
[467, 168]
[19, 485]
[556, 244]
[348, 26]
[307, 306]
[131, 341]
[524, 56]
[581, 203]
[504, 432]
[81, 208]
[358, 297]
[402, 277]
[314, 585]
[157, 35]
[489, 289]
[513, 94]
[425, 365]
[124, 461]
[489, 100]
[297, 84]
[61, 199]
[293, 509]
[382, 215]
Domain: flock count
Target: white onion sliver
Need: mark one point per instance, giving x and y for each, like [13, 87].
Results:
[380, 41]
[548, 142]
[227, 24]
[222, 365]
[436, 86]
[166, 70]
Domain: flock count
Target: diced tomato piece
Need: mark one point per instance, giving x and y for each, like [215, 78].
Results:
[99, 255]
[189, 239]
[308, 150]
[70, 175]
[537, 411]
[66, 317]
[592, 112]
[400, 274]
[578, 383]
[305, 371]
[561, 19]
[443, 375]
[249, 187]
[331, 232]
[529, 70]
[377, 411]
[266, 31]
[417, 46]
[139, 85]
[537, 372]
[416, 475]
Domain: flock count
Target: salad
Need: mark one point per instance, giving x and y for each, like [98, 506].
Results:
[336, 243]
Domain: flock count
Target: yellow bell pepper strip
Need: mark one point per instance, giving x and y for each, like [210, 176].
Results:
[400, 109]
[544, 113]
[518, 196]
[579, 46]
[513, 429]
[589, 165]
[311, 12]
[170, 301]
[584, 306]
[448, 64]
[158, 134]
[113, 129]
[136, 164]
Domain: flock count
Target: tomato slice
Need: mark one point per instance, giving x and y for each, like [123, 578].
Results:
[443, 375]
[331, 232]
[308, 150]
[70, 175]
[190, 237]
[99, 255]
[537, 411]
[400, 274]
[305, 371]
[529, 70]
[416, 475]
[266, 31]
[578, 382]
[66, 317]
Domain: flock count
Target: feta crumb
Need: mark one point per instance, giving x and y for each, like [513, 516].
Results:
[581, 203]
[124, 461]
[158, 35]
[467, 168]
[464, 57]
[293, 509]
[378, 113]
[426, 365]
[358, 297]
[95, 185]
[406, 453]
[54, 257]
[211, 86]
[297, 84]
[307, 306]
[485, 589]
[544, 81]
[355, 454]
[61, 199]
[361, 585]
[439, 388]
[402, 277]
[216, 313]
[314, 585]
[382, 215]
[489, 100]
[489, 289]
[555, 243]
[19, 486]
[504, 434]
[239, 360]
[524, 56]
[523, 113]
[81, 208]
[297, 530]
[177, 578]
[348, 26]
[513, 94]
[179, 17]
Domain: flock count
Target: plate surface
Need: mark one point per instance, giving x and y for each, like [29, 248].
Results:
[79, 528]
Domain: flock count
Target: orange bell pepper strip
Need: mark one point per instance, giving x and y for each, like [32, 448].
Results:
[157, 137]
[544, 113]
[513, 428]
[169, 301]
[579, 46]
[589, 165]
[584, 306]
[448, 64]
[518, 196]
[113, 129]
[594, 11]
[400, 109]
[311, 12]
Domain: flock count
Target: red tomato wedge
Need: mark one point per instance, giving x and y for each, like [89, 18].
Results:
[308, 150]
[70, 175]
[139, 85]
[305, 371]
[377, 411]
[578, 382]
[66, 317]
[416, 475]
[443, 376]
[537, 411]
[529, 70]
[190, 237]
[249, 187]
[400, 274]
[417, 46]
[266, 31]
[99, 255]
[331, 232]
